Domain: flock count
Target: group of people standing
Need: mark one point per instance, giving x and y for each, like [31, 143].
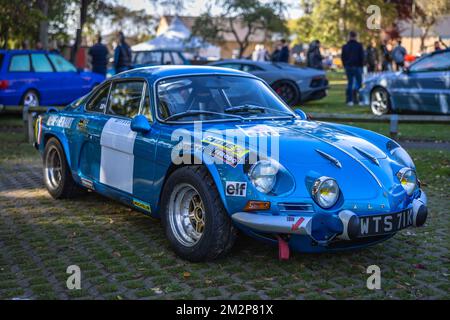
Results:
[280, 54]
[99, 55]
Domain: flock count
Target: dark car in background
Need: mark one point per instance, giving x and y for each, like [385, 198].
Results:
[36, 77]
[292, 83]
[157, 57]
[423, 87]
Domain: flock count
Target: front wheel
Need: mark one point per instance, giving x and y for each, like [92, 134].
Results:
[379, 101]
[194, 218]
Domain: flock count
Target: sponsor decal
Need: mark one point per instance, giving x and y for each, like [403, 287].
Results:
[87, 183]
[224, 151]
[142, 205]
[59, 121]
[82, 124]
[260, 130]
[297, 225]
[236, 189]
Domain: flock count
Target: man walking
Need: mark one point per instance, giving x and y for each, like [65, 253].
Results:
[284, 52]
[386, 63]
[371, 57]
[99, 56]
[398, 54]
[314, 57]
[122, 55]
[353, 61]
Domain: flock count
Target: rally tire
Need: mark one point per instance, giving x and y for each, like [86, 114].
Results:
[57, 176]
[218, 235]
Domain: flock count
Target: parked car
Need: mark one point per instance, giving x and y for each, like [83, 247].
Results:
[294, 84]
[34, 77]
[422, 87]
[155, 57]
[190, 145]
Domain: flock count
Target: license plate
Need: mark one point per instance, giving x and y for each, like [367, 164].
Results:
[384, 224]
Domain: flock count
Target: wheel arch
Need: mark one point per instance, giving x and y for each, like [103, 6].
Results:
[32, 88]
[291, 82]
[210, 167]
[62, 140]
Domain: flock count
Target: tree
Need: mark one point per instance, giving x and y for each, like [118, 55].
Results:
[427, 14]
[251, 15]
[330, 20]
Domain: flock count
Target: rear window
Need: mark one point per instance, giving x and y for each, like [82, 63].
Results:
[61, 64]
[20, 63]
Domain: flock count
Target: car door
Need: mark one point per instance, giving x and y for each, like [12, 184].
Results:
[86, 140]
[48, 84]
[126, 161]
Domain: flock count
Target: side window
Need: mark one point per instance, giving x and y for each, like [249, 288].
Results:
[98, 102]
[167, 58]
[125, 98]
[177, 58]
[235, 66]
[20, 63]
[40, 63]
[61, 64]
[250, 68]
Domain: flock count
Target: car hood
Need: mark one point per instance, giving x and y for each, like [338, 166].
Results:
[309, 149]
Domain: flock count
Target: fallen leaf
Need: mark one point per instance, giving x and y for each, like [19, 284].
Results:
[420, 266]
[186, 274]
[157, 290]
[117, 254]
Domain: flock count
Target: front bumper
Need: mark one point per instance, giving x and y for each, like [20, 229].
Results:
[322, 228]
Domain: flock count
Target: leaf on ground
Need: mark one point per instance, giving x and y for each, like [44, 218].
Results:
[186, 274]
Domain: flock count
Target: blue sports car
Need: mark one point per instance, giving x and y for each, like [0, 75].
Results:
[213, 150]
[36, 77]
[423, 87]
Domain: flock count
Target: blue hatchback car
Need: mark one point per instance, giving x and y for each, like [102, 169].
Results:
[423, 87]
[212, 150]
[35, 77]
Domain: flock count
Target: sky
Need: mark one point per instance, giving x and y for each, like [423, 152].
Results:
[197, 7]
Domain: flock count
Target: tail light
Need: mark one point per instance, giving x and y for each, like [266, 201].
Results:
[4, 84]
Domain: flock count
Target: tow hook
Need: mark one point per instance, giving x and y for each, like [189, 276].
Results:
[283, 249]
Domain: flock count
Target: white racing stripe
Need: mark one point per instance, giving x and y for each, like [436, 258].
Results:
[117, 159]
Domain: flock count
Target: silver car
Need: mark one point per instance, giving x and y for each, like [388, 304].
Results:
[293, 84]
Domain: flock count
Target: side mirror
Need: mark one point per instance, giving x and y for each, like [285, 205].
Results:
[301, 114]
[140, 124]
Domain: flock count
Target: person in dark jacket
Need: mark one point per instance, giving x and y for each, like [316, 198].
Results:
[122, 55]
[353, 61]
[284, 52]
[313, 57]
[386, 59]
[99, 57]
[371, 57]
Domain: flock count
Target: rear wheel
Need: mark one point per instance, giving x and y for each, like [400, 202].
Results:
[57, 176]
[287, 91]
[194, 218]
[30, 99]
[379, 101]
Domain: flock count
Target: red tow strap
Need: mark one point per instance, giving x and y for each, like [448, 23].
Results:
[283, 249]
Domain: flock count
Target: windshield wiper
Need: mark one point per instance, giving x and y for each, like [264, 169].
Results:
[251, 107]
[199, 112]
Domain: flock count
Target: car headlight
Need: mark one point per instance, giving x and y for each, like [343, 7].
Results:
[325, 192]
[408, 180]
[263, 175]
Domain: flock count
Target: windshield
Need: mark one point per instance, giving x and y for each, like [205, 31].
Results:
[215, 97]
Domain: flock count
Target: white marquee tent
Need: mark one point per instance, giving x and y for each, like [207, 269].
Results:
[178, 37]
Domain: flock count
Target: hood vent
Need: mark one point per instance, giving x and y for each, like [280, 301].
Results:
[330, 158]
[367, 155]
